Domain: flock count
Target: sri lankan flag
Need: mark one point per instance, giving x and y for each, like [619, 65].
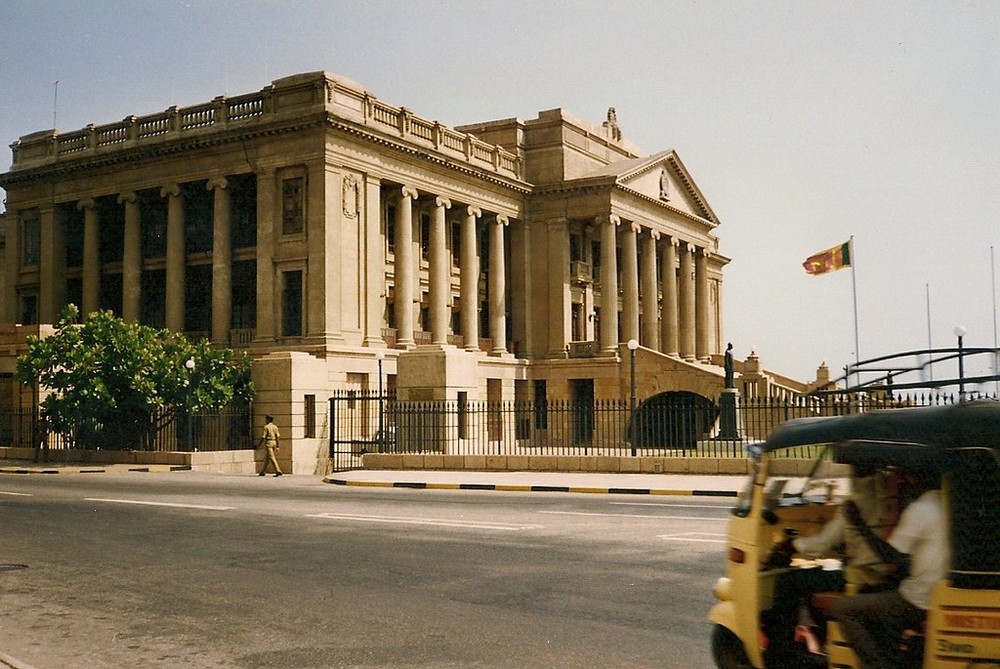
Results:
[829, 260]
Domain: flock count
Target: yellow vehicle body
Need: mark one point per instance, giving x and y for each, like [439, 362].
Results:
[962, 629]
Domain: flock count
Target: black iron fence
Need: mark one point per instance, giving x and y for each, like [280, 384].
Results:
[666, 425]
[163, 430]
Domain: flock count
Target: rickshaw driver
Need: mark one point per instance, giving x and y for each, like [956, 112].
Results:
[919, 546]
[794, 587]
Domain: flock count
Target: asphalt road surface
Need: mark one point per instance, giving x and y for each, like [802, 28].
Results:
[206, 571]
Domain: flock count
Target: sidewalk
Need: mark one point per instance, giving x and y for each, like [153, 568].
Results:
[697, 485]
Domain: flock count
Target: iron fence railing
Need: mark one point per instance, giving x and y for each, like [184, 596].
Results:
[661, 426]
[163, 430]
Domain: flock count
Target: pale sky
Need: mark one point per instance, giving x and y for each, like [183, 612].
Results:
[803, 123]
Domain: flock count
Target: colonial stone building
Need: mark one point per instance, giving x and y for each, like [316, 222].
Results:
[333, 235]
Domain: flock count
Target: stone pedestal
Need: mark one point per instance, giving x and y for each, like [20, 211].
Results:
[729, 423]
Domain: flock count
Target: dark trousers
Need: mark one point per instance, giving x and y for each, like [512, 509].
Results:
[873, 623]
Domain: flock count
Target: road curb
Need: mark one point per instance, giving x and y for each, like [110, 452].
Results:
[12, 662]
[503, 487]
[154, 469]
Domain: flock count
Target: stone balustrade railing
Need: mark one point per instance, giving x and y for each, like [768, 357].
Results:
[282, 99]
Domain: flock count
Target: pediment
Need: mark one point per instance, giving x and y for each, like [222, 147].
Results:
[661, 177]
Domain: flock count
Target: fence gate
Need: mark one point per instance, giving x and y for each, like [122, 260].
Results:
[356, 427]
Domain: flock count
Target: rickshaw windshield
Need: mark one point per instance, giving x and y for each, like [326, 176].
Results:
[793, 479]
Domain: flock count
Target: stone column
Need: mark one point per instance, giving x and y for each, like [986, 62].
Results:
[374, 264]
[268, 213]
[222, 262]
[669, 321]
[650, 317]
[440, 272]
[176, 257]
[52, 265]
[91, 257]
[498, 287]
[630, 283]
[609, 281]
[558, 308]
[470, 279]
[131, 258]
[686, 300]
[10, 310]
[701, 325]
[403, 272]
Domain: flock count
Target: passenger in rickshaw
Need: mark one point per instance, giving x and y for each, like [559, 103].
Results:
[792, 620]
[919, 549]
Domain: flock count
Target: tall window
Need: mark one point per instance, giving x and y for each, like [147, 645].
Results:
[31, 241]
[244, 294]
[390, 229]
[153, 215]
[425, 235]
[310, 417]
[28, 303]
[292, 205]
[291, 304]
[243, 210]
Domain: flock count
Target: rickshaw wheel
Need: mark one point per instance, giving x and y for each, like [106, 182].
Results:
[727, 650]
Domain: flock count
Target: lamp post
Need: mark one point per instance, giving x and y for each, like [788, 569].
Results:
[632, 346]
[189, 364]
[960, 333]
[379, 356]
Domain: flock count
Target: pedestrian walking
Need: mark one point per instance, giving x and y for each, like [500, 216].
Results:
[269, 440]
[41, 438]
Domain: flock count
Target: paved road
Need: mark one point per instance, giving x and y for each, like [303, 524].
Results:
[197, 570]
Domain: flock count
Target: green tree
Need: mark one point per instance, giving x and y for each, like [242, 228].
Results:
[114, 384]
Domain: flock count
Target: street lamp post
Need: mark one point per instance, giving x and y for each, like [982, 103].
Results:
[960, 333]
[189, 365]
[632, 346]
[379, 356]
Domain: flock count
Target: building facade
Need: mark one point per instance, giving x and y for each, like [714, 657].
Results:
[334, 236]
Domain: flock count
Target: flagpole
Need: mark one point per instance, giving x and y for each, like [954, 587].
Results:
[857, 339]
[996, 353]
[930, 346]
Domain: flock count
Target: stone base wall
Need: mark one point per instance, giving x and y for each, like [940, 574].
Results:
[557, 463]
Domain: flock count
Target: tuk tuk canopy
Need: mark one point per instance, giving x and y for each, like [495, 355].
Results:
[962, 440]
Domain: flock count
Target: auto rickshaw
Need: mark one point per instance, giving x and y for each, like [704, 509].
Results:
[799, 478]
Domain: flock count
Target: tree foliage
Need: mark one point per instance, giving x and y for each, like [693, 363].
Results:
[113, 378]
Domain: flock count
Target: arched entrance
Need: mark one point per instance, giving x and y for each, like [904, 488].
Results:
[676, 419]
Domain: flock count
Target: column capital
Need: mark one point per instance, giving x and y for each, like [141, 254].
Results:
[473, 211]
[654, 235]
[217, 182]
[442, 201]
[613, 219]
[86, 203]
[635, 227]
[502, 220]
[170, 190]
[408, 192]
[127, 196]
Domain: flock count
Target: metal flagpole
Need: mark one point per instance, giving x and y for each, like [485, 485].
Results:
[857, 340]
[996, 353]
[930, 346]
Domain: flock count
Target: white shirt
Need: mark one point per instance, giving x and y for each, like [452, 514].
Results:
[922, 533]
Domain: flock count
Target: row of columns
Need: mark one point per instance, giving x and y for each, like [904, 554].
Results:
[406, 267]
[684, 324]
[175, 258]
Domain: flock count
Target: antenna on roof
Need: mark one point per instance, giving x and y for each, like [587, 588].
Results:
[55, 102]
